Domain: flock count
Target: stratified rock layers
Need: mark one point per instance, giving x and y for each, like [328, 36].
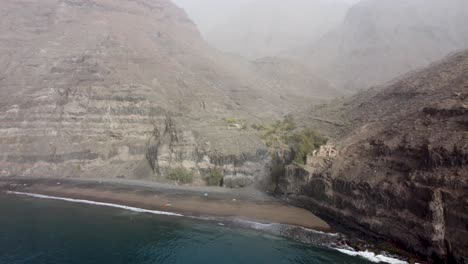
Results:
[118, 88]
[402, 172]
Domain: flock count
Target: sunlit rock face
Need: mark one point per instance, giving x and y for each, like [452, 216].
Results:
[94, 87]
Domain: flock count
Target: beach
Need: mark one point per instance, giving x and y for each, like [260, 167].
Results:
[247, 204]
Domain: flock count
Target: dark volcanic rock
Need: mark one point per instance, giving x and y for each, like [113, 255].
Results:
[402, 169]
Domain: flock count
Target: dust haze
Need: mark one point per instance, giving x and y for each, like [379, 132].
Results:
[257, 28]
[354, 110]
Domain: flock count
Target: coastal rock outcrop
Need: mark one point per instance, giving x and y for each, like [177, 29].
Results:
[401, 170]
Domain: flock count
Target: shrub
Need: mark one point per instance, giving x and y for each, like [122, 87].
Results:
[275, 136]
[258, 127]
[288, 123]
[304, 143]
[284, 134]
[180, 175]
[230, 120]
[215, 178]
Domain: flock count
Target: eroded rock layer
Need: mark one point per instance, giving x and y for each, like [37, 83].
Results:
[116, 88]
[401, 171]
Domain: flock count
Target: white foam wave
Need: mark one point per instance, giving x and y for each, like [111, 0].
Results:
[134, 209]
[372, 256]
[318, 232]
[255, 225]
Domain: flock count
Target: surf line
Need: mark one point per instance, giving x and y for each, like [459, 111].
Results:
[130, 208]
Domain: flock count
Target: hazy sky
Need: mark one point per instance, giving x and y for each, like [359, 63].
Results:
[207, 13]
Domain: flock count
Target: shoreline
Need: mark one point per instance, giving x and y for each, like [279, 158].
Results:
[261, 213]
[190, 202]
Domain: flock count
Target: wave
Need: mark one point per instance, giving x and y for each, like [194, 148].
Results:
[272, 228]
[372, 256]
[134, 209]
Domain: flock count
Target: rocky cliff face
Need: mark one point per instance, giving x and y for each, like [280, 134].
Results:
[380, 40]
[111, 88]
[401, 169]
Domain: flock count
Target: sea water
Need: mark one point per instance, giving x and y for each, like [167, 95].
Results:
[43, 231]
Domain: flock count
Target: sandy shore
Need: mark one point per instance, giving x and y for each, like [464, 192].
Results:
[190, 201]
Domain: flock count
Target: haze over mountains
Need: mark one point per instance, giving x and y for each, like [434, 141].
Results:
[380, 40]
[119, 88]
[352, 45]
[269, 27]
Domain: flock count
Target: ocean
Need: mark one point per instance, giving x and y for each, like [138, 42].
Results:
[42, 231]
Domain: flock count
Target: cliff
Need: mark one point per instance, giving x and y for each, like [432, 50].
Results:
[118, 88]
[399, 170]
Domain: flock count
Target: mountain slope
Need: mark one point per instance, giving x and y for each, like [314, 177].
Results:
[123, 88]
[401, 172]
[295, 78]
[379, 40]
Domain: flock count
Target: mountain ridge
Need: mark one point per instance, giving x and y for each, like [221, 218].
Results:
[402, 163]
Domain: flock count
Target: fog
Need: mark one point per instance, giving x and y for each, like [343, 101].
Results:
[258, 28]
[209, 13]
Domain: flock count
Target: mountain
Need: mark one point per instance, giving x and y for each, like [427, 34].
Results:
[124, 88]
[266, 28]
[399, 169]
[207, 14]
[382, 39]
[295, 79]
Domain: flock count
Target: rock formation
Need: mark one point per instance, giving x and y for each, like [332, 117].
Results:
[401, 171]
[115, 88]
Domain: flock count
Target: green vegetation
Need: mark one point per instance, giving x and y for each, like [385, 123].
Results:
[284, 134]
[180, 175]
[304, 142]
[276, 135]
[215, 178]
[230, 120]
[233, 122]
[258, 127]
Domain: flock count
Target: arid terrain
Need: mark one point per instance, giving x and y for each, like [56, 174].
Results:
[365, 126]
[117, 88]
[400, 168]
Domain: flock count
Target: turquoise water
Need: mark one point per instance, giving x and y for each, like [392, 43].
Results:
[42, 231]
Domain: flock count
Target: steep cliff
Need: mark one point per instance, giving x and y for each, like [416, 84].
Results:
[400, 170]
[122, 88]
